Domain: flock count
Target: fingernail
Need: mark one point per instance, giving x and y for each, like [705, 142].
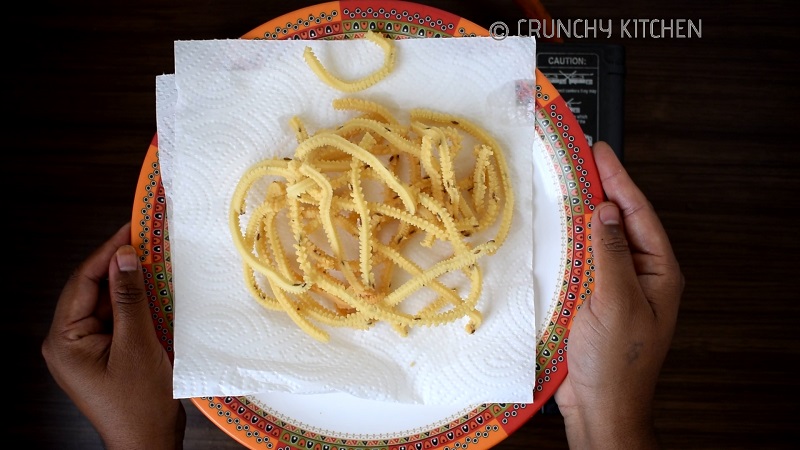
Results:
[127, 259]
[609, 215]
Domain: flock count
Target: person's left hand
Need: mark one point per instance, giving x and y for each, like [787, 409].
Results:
[103, 352]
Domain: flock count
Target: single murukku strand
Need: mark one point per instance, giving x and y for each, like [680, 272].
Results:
[299, 129]
[468, 218]
[426, 158]
[312, 308]
[394, 162]
[294, 311]
[252, 226]
[430, 237]
[448, 174]
[475, 320]
[440, 302]
[445, 169]
[401, 329]
[414, 169]
[326, 153]
[301, 241]
[386, 44]
[482, 154]
[325, 207]
[249, 178]
[454, 138]
[278, 251]
[250, 259]
[350, 276]
[492, 207]
[355, 319]
[260, 245]
[367, 142]
[388, 270]
[367, 106]
[330, 165]
[425, 186]
[253, 239]
[365, 227]
[255, 290]
[276, 164]
[307, 306]
[266, 301]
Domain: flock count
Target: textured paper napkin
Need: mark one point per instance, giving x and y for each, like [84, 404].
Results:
[227, 107]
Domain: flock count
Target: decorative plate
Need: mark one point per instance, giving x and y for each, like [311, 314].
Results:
[289, 422]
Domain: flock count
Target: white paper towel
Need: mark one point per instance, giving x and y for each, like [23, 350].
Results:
[226, 108]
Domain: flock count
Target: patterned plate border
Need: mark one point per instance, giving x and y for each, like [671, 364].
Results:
[570, 154]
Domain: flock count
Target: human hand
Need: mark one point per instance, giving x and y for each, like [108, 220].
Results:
[622, 333]
[103, 352]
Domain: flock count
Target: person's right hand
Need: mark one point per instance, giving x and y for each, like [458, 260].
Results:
[620, 336]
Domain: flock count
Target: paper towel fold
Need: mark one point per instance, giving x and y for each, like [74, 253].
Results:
[226, 108]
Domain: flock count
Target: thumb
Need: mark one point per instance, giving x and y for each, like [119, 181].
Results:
[615, 274]
[133, 324]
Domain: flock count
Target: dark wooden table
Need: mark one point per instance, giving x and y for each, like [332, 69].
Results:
[709, 137]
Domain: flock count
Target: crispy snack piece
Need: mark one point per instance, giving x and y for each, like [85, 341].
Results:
[386, 44]
[333, 231]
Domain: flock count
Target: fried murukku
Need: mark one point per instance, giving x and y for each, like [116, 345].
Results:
[327, 236]
[355, 201]
[384, 43]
